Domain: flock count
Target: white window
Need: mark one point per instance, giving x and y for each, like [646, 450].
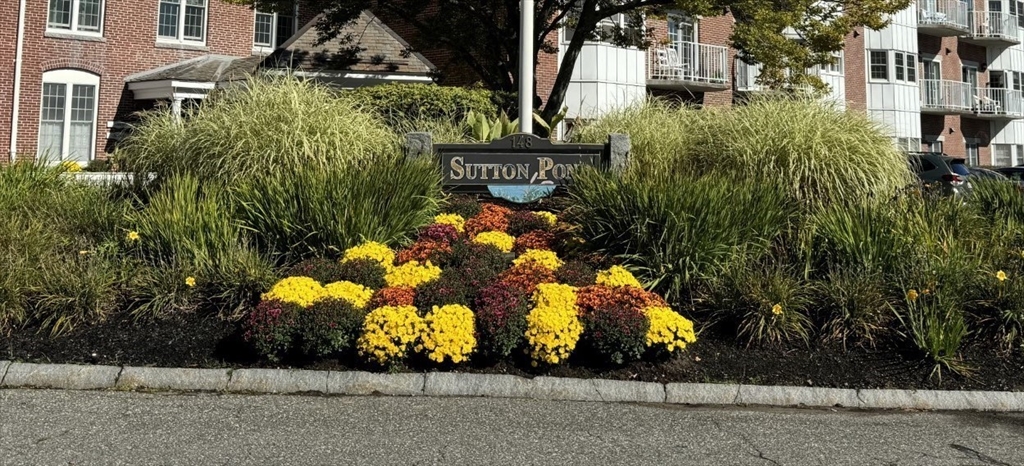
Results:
[879, 65]
[78, 16]
[67, 121]
[836, 67]
[905, 65]
[972, 154]
[182, 21]
[272, 29]
[1002, 155]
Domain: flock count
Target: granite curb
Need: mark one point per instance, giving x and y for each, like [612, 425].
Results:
[449, 384]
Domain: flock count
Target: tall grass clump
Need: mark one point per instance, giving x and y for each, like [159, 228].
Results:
[263, 125]
[304, 212]
[196, 251]
[59, 265]
[677, 231]
[817, 152]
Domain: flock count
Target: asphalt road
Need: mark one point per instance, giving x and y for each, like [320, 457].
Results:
[77, 428]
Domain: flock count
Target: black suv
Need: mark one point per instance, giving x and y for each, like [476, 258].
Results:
[937, 169]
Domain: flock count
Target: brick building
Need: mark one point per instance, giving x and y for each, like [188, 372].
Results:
[75, 70]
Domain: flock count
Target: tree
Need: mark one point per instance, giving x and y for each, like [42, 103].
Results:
[785, 36]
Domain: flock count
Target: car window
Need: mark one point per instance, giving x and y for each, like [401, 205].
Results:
[927, 166]
[958, 167]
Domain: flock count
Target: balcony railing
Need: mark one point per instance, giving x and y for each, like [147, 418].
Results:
[943, 17]
[993, 26]
[999, 102]
[942, 96]
[688, 65]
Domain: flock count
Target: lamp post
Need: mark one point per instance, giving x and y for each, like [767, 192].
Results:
[526, 66]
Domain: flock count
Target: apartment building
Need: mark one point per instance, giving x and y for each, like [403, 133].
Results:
[77, 70]
[946, 75]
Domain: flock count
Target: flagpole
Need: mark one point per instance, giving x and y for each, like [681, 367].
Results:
[526, 66]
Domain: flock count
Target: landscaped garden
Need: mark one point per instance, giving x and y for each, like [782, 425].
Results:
[778, 242]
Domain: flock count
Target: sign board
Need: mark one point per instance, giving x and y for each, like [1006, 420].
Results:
[517, 160]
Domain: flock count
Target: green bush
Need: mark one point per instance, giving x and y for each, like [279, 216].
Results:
[615, 332]
[763, 303]
[60, 261]
[934, 324]
[266, 125]
[816, 152]
[856, 305]
[412, 102]
[189, 230]
[329, 327]
[676, 230]
[309, 211]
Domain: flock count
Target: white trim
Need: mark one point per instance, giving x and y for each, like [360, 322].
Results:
[180, 39]
[360, 75]
[889, 66]
[73, 30]
[16, 108]
[69, 78]
[267, 49]
[170, 89]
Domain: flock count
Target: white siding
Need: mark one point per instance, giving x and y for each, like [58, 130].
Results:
[895, 104]
[605, 78]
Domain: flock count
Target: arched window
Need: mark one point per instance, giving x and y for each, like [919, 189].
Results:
[67, 122]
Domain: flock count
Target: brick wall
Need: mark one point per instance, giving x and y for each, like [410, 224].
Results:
[9, 39]
[716, 31]
[128, 46]
[854, 71]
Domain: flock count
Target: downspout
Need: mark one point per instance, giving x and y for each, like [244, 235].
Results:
[17, 81]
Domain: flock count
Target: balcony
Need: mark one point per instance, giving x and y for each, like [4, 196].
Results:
[943, 18]
[990, 28]
[998, 104]
[688, 66]
[942, 97]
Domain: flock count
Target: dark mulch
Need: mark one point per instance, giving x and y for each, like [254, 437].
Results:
[205, 341]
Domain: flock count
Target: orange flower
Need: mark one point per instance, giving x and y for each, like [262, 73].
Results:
[492, 217]
[422, 251]
[589, 298]
[536, 239]
[393, 296]
[527, 276]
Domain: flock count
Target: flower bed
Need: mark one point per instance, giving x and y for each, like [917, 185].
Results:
[485, 286]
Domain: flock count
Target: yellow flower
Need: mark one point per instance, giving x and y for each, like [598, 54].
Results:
[371, 250]
[454, 220]
[777, 309]
[84, 253]
[303, 291]
[132, 236]
[500, 240]
[389, 332]
[912, 295]
[71, 166]
[668, 328]
[356, 294]
[617, 276]
[449, 334]
[190, 281]
[1000, 275]
[549, 217]
[543, 258]
[412, 274]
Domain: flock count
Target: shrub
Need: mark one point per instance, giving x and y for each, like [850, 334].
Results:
[319, 269]
[857, 305]
[270, 328]
[370, 250]
[536, 239]
[500, 319]
[307, 211]
[410, 102]
[449, 333]
[423, 251]
[441, 232]
[366, 272]
[592, 297]
[547, 259]
[397, 296]
[867, 236]
[763, 303]
[523, 221]
[553, 327]
[412, 274]
[526, 277]
[463, 205]
[269, 124]
[388, 334]
[497, 239]
[492, 218]
[934, 325]
[615, 333]
[677, 232]
[353, 293]
[330, 326]
[576, 273]
[449, 289]
[668, 329]
[301, 291]
[815, 152]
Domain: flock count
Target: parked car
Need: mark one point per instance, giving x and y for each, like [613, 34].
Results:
[949, 174]
[985, 173]
[1013, 173]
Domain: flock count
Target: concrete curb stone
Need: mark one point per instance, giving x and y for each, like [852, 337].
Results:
[277, 381]
[942, 400]
[797, 396]
[3, 371]
[65, 376]
[701, 393]
[557, 388]
[491, 385]
[164, 378]
[368, 383]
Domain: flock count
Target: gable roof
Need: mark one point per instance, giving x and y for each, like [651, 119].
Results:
[366, 45]
[205, 68]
